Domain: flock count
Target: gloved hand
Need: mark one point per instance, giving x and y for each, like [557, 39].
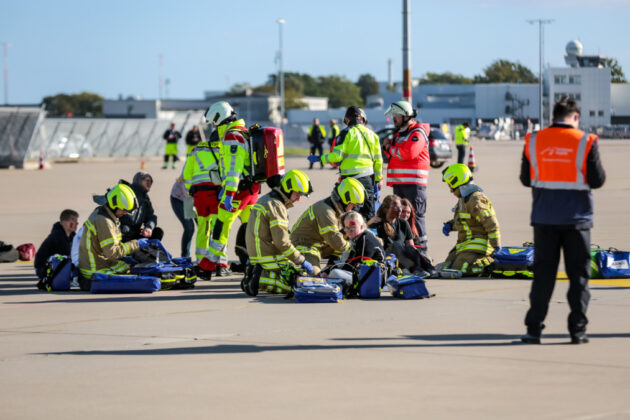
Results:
[144, 243]
[377, 191]
[155, 242]
[227, 203]
[308, 267]
[497, 249]
[447, 227]
[313, 158]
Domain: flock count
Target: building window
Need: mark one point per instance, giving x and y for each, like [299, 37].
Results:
[575, 80]
[560, 79]
[558, 96]
[600, 113]
[578, 97]
[591, 113]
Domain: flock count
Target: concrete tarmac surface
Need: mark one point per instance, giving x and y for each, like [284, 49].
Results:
[213, 352]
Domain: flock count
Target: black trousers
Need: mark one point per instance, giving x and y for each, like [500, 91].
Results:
[368, 209]
[417, 195]
[461, 153]
[318, 147]
[576, 245]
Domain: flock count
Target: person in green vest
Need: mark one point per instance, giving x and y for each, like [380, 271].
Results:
[462, 132]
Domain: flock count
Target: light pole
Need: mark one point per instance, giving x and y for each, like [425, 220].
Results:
[281, 74]
[541, 52]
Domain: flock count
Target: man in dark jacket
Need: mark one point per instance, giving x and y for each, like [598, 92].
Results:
[59, 241]
[143, 221]
[316, 137]
[193, 138]
[561, 164]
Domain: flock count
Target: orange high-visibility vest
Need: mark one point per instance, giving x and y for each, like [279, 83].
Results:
[557, 158]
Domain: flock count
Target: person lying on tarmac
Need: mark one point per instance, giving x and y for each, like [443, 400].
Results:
[268, 240]
[142, 222]
[364, 244]
[59, 241]
[101, 244]
[397, 236]
[475, 221]
[317, 234]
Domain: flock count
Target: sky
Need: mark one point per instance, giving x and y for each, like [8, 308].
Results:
[112, 47]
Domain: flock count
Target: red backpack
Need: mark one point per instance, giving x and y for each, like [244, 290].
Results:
[26, 252]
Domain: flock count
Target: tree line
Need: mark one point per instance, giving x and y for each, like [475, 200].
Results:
[340, 91]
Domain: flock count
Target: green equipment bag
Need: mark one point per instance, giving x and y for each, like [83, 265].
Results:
[594, 267]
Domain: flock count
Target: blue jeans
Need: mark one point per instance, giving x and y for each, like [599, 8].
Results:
[188, 224]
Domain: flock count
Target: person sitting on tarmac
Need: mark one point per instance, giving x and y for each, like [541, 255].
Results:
[474, 220]
[397, 236]
[101, 244]
[364, 244]
[317, 234]
[408, 213]
[59, 241]
[267, 237]
[142, 222]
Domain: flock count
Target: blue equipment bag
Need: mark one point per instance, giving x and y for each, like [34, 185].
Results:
[613, 264]
[408, 287]
[512, 262]
[369, 280]
[121, 283]
[318, 293]
[59, 274]
[176, 273]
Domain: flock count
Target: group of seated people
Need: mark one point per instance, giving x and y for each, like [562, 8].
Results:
[331, 229]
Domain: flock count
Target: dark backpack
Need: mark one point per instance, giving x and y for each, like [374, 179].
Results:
[8, 253]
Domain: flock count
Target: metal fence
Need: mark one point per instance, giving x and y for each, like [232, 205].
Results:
[63, 138]
[18, 125]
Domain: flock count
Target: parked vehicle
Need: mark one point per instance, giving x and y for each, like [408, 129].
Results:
[440, 149]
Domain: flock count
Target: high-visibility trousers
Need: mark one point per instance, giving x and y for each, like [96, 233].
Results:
[221, 226]
[271, 281]
[206, 204]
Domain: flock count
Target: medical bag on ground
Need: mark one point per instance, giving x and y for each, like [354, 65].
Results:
[266, 154]
[318, 292]
[174, 273]
[512, 262]
[594, 268]
[408, 287]
[26, 252]
[368, 281]
[613, 264]
[59, 273]
[123, 283]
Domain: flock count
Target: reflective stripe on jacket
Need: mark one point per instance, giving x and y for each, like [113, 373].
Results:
[557, 158]
[461, 135]
[409, 157]
[267, 236]
[235, 160]
[476, 224]
[359, 151]
[319, 226]
[101, 245]
[199, 163]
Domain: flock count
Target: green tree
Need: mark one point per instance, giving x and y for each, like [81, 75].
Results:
[340, 91]
[239, 87]
[616, 71]
[368, 86]
[80, 104]
[504, 71]
[447, 78]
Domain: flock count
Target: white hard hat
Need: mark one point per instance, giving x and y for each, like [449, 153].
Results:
[401, 108]
[219, 112]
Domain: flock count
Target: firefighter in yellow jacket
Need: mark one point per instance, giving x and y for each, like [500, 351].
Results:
[203, 181]
[238, 191]
[317, 233]
[475, 221]
[268, 241]
[101, 244]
